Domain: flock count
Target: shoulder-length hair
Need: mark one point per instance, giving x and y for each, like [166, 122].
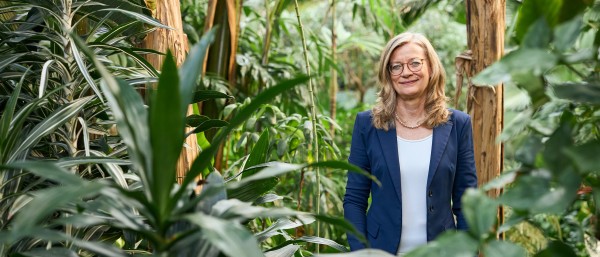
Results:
[435, 103]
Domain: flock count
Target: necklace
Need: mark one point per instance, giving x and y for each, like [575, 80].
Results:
[407, 126]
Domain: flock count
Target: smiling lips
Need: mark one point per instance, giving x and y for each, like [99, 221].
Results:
[409, 81]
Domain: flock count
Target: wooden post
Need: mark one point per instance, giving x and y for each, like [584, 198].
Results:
[168, 12]
[485, 103]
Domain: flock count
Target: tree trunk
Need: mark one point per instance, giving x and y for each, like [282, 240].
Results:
[485, 103]
[168, 12]
[220, 59]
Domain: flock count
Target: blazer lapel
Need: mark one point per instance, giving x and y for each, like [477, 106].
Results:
[441, 134]
[389, 147]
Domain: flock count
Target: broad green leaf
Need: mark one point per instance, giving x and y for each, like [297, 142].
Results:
[480, 212]
[498, 248]
[359, 253]
[166, 135]
[287, 251]
[208, 124]
[562, 138]
[565, 34]
[259, 153]
[99, 248]
[73, 161]
[204, 95]
[557, 249]
[212, 192]
[283, 224]
[532, 10]
[231, 238]
[47, 170]
[342, 223]
[539, 35]
[49, 124]
[532, 61]
[273, 169]
[315, 240]
[451, 243]
[343, 165]
[582, 92]
[195, 120]
[236, 209]
[268, 198]
[585, 157]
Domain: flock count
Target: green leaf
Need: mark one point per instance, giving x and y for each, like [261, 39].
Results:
[567, 33]
[314, 240]
[539, 35]
[50, 124]
[498, 248]
[46, 202]
[114, 32]
[579, 92]
[259, 153]
[480, 212]
[532, 10]
[49, 171]
[531, 61]
[166, 135]
[231, 238]
[360, 253]
[140, 17]
[283, 224]
[343, 165]
[341, 222]
[84, 70]
[451, 243]
[6, 119]
[585, 157]
[52, 252]
[195, 120]
[287, 251]
[208, 124]
[204, 95]
[212, 192]
[557, 249]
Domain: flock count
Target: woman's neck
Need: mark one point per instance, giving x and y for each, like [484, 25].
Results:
[412, 110]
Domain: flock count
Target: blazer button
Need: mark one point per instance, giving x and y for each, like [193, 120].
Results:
[430, 193]
[431, 208]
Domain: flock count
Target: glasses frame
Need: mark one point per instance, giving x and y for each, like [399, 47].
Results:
[408, 66]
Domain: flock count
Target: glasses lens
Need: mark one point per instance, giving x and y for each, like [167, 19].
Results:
[415, 65]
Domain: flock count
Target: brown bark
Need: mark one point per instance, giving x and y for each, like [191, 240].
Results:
[168, 12]
[485, 103]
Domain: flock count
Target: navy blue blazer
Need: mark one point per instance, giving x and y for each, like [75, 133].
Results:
[451, 172]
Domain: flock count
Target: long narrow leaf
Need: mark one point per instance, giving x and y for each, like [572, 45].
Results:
[192, 68]
[58, 118]
[231, 238]
[140, 17]
[136, 57]
[114, 32]
[84, 71]
[6, 119]
[167, 124]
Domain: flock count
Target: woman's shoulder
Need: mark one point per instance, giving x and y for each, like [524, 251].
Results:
[459, 117]
[364, 118]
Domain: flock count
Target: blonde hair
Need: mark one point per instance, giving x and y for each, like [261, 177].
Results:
[435, 102]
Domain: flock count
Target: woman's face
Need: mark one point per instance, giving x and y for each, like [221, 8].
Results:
[409, 71]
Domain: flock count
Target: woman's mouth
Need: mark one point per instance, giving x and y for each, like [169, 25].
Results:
[409, 82]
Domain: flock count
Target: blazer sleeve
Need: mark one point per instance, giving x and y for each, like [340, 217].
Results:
[358, 186]
[466, 175]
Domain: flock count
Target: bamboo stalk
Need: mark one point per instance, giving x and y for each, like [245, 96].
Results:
[334, 85]
[313, 116]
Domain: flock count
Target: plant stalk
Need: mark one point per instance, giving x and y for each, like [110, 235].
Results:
[313, 111]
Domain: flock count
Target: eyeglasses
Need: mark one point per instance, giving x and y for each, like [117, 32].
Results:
[413, 65]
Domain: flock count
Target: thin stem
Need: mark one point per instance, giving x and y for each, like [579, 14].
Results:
[313, 115]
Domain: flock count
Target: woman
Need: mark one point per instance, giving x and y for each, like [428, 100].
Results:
[421, 152]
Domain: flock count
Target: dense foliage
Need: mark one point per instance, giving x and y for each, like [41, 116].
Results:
[87, 164]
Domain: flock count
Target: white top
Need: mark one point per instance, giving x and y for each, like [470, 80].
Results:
[414, 158]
